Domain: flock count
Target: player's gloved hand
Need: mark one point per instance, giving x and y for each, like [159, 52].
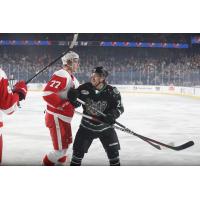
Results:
[21, 89]
[109, 119]
[72, 95]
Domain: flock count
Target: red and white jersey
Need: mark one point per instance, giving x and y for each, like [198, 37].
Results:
[8, 100]
[55, 94]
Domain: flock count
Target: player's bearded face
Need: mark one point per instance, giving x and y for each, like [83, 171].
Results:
[96, 79]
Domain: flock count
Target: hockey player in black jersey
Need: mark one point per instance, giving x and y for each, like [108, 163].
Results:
[107, 99]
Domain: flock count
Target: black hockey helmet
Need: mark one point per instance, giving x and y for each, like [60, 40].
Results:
[101, 71]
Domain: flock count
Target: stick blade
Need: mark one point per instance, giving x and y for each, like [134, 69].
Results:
[184, 146]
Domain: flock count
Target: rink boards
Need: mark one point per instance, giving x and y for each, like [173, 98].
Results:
[149, 89]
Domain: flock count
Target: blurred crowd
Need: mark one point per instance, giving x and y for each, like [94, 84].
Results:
[138, 66]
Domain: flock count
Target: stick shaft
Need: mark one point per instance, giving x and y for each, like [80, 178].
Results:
[147, 139]
[56, 59]
[119, 128]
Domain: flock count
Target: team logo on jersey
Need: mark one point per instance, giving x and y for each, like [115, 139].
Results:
[84, 92]
[95, 105]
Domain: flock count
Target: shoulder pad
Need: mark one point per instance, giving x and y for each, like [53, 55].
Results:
[115, 90]
[62, 73]
[85, 85]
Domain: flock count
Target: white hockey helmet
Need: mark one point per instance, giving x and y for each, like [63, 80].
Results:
[70, 56]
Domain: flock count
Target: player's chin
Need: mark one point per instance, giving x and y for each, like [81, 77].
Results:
[93, 83]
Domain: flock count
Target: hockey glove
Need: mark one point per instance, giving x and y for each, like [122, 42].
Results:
[109, 119]
[72, 95]
[21, 89]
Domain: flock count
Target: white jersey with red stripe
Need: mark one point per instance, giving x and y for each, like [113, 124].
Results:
[8, 100]
[55, 94]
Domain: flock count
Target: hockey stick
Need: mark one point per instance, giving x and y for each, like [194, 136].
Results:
[116, 127]
[55, 60]
[177, 148]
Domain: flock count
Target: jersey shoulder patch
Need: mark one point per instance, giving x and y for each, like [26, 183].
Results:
[85, 88]
[85, 92]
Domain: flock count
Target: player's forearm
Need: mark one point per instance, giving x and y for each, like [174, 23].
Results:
[54, 100]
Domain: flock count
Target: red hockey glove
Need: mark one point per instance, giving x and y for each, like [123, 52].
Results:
[21, 89]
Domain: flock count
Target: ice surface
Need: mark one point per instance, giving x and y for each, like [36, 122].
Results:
[162, 117]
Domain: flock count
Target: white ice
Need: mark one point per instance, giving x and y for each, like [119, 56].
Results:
[162, 117]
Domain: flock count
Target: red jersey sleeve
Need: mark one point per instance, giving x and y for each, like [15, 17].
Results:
[8, 100]
[52, 89]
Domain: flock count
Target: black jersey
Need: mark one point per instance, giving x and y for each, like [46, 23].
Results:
[107, 100]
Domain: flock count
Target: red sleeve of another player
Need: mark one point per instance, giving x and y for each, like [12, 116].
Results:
[8, 100]
[53, 87]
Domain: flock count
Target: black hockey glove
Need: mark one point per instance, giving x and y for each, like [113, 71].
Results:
[72, 95]
[109, 119]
